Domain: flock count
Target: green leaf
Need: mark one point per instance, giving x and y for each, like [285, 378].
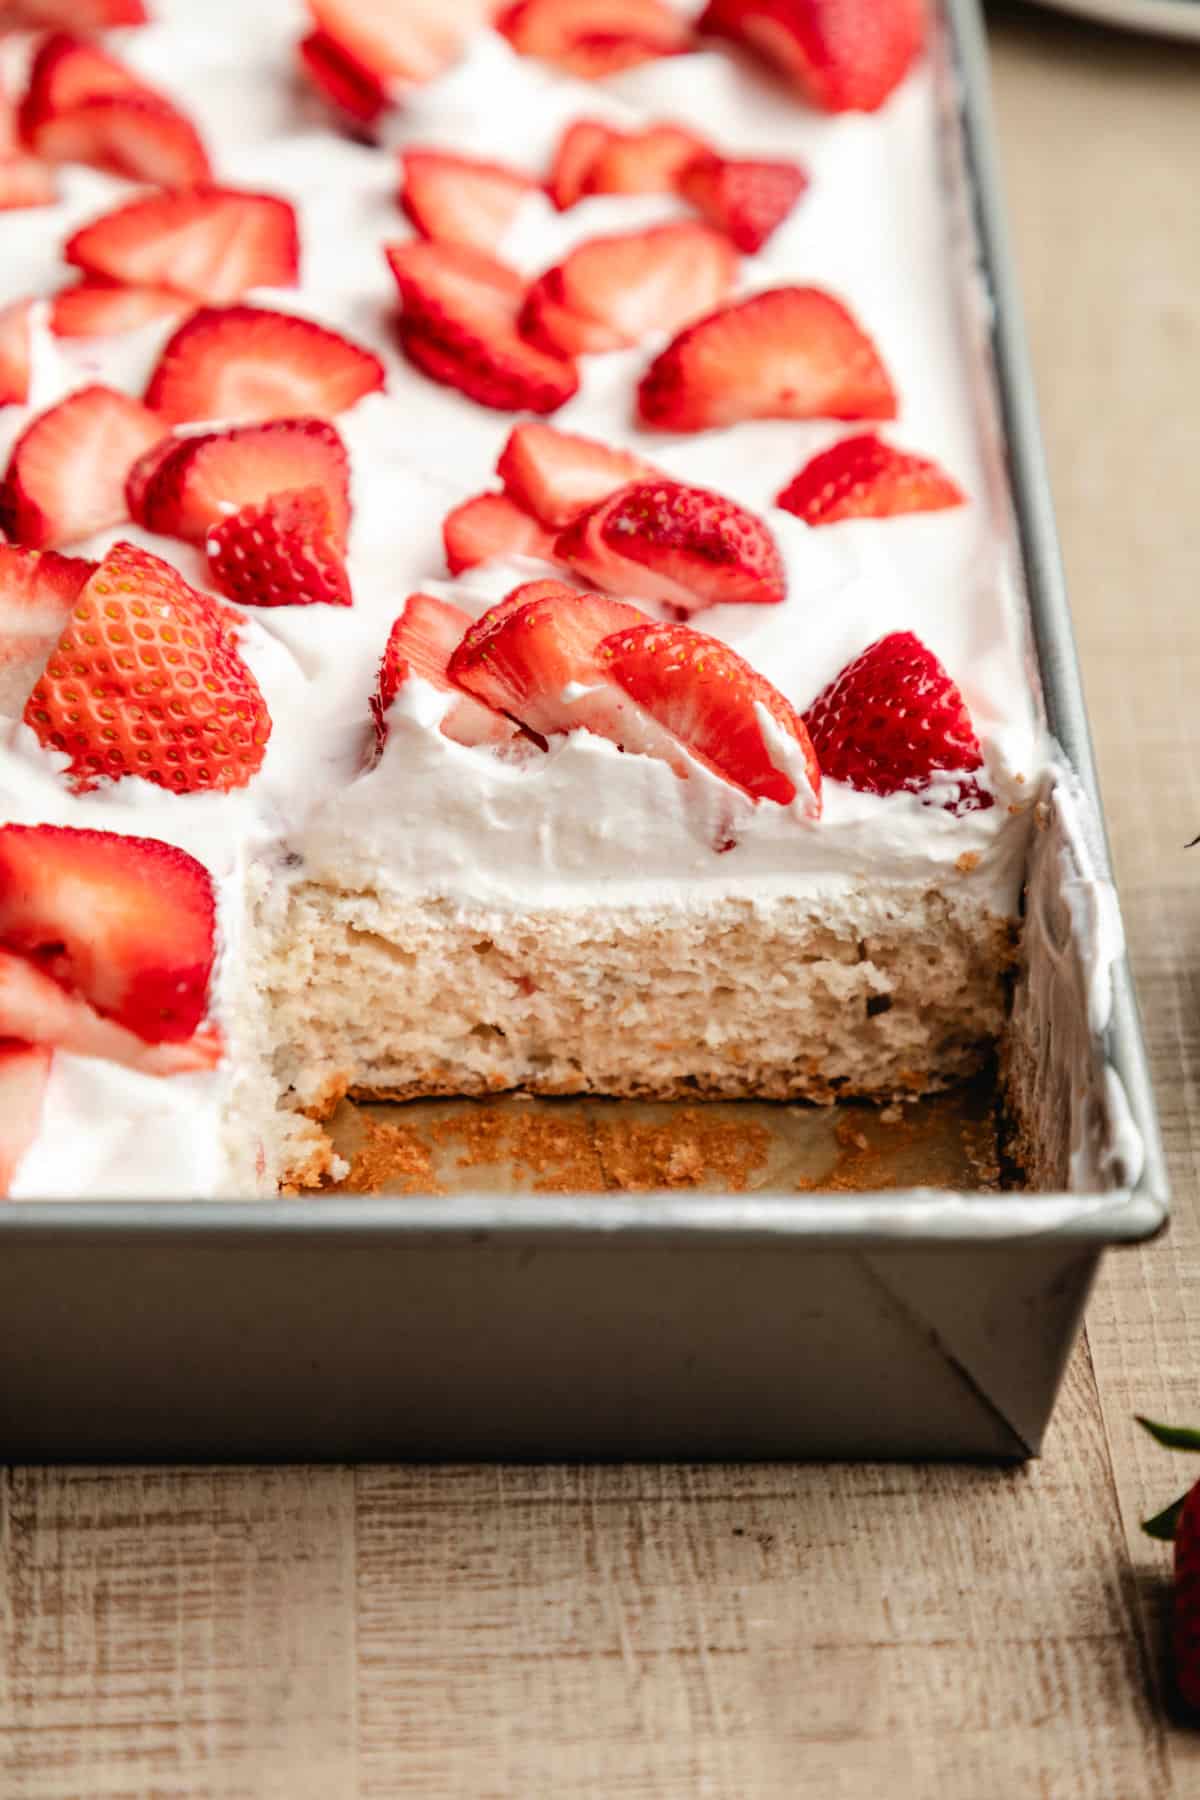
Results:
[1172, 1437]
[1164, 1524]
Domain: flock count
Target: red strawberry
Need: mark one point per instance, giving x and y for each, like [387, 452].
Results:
[78, 15]
[282, 552]
[37, 590]
[14, 353]
[789, 353]
[522, 595]
[893, 720]
[126, 922]
[491, 525]
[460, 200]
[844, 55]
[66, 474]
[240, 363]
[685, 546]
[67, 70]
[421, 642]
[209, 243]
[545, 320]
[1180, 1522]
[94, 308]
[339, 79]
[745, 199]
[398, 41]
[537, 662]
[707, 697]
[594, 38]
[146, 680]
[864, 478]
[24, 1072]
[24, 181]
[578, 148]
[459, 326]
[556, 475]
[133, 134]
[184, 486]
[642, 281]
[34, 1007]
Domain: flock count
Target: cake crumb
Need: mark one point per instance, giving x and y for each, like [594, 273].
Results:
[684, 1151]
[390, 1159]
[559, 1150]
[967, 862]
[480, 1131]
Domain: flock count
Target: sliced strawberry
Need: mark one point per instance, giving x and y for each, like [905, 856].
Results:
[593, 38]
[283, 552]
[398, 41]
[33, 1006]
[844, 55]
[209, 243]
[686, 546]
[537, 662]
[459, 325]
[146, 680]
[490, 525]
[67, 70]
[790, 353]
[421, 642]
[37, 591]
[556, 475]
[240, 363]
[24, 181]
[578, 148]
[546, 321]
[747, 200]
[620, 288]
[708, 698]
[94, 308]
[136, 135]
[352, 89]
[14, 353]
[66, 474]
[460, 200]
[126, 922]
[24, 1072]
[893, 720]
[643, 162]
[184, 486]
[76, 15]
[522, 595]
[864, 478]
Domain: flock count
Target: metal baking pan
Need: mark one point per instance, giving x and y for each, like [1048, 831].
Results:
[923, 1322]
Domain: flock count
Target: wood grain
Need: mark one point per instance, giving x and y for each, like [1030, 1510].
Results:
[743, 1632]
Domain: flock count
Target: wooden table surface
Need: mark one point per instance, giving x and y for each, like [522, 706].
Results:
[739, 1632]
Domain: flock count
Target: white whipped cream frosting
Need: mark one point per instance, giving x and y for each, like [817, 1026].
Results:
[878, 227]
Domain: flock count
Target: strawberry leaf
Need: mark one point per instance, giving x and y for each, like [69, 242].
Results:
[1164, 1524]
[1171, 1437]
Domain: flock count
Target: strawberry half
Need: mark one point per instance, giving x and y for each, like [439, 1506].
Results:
[893, 720]
[490, 525]
[843, 55]
[138, 135]
[282, 552]
[353, 90]
[421, 642]
[14, 353]
[37, 591]
[578, 148]
[685, 546]
[126, 922]
[596, 159]
[24, 181]
[209, 243]
[67, 70]
[146, 680]
[459, 326]
[241, 363]
[593, 38]
[1179, 1524]
[747, 200]
[95, 308]
[461, 200]
[707, 697]
[66, 475]
[864, 478]
[522, 595]
[24, 1072]
[536, 661]
[789, 353]
[556, 475]
[614, 290]
[184, 486]
[34, 1007]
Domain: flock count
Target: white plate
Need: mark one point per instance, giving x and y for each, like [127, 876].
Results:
[1166, 18]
